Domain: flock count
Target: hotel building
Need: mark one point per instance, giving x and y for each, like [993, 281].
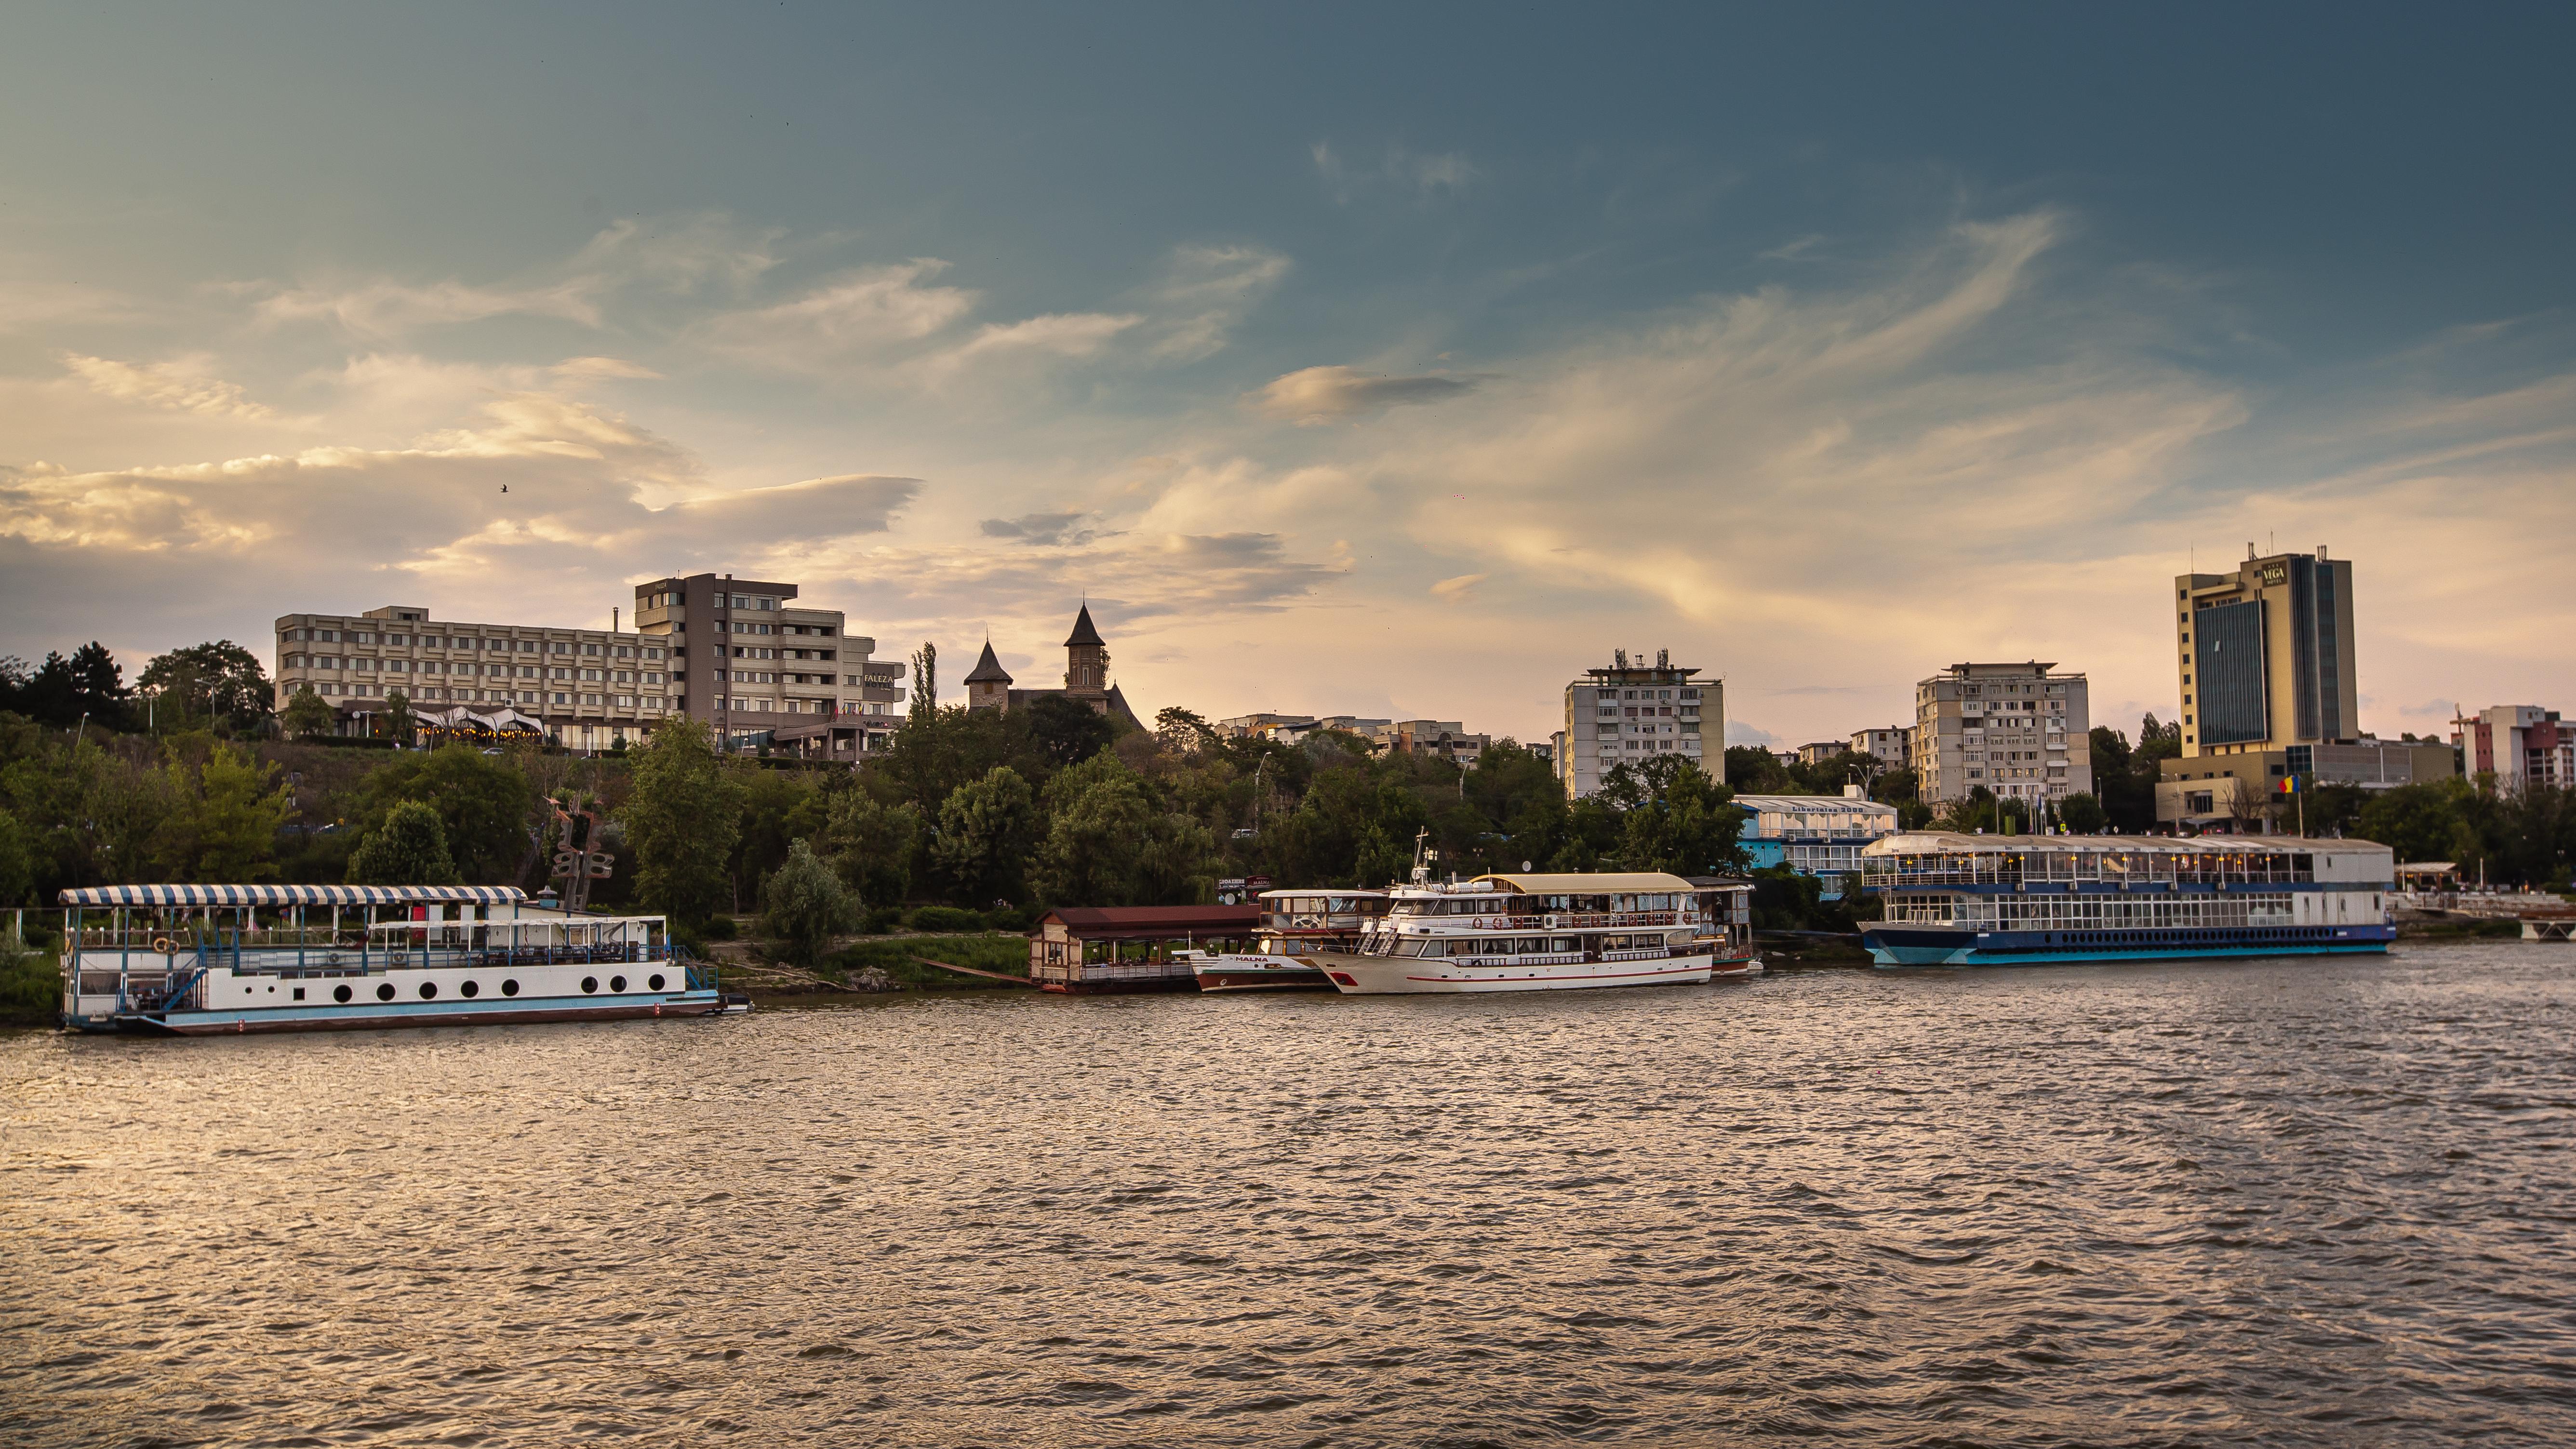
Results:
[2019, 730]
[1630, 713]
[584, 688]
[2266, 655]
[760, 669]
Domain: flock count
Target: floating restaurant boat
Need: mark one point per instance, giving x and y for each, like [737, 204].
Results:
[200, 959]
[1530, 931]
[1295, 924]
[1982, 900]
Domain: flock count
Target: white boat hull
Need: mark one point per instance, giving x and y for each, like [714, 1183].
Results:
[1418, 975]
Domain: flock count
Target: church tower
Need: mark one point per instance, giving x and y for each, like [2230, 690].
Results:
[989, 687]
[1086, 664]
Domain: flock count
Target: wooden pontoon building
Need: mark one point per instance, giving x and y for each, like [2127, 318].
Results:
[1085, 950]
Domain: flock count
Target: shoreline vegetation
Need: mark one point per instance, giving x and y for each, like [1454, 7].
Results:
[801, 875]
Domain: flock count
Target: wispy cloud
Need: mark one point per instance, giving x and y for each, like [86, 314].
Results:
[1331, 394]
[1043, 529]
[1419, 176]
[182, 385]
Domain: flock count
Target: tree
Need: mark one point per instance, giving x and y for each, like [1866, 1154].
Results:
[1181, 731]
[1753, 770]
[1066, 731]
[925, 681]
[410, 848]
[1687, 824]
[17, 869]
[218, 686]
[2418, 822]
[485, 805]
[872, 845]
[778, 806]
[1111, 844]
[2083, 814]
[398, 717]
[803, 904]
[226, 811]
[986, 829]
[60, 692]
[682, 818]
[307, 716]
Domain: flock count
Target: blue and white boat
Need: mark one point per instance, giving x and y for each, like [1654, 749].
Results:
[1993, 900]
[202, 959]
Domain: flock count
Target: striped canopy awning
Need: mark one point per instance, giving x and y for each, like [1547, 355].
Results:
[289, 895]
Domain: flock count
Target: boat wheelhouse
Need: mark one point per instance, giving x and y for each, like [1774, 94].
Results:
[1972, 900]
[1528, 931]
[200, 959]
[1295, 925]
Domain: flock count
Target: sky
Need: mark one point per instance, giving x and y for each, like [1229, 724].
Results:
[1383, 360]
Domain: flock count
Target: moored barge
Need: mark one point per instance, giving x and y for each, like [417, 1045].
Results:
[204, 959]
[1987, 900]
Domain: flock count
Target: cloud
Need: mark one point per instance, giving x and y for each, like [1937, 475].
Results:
[857, 316]
[1416, 175]
[1455, 591]
[183, 385]
[385, 309]
[681, 255]
[1205, 293]
[1043, 529]
[1330, 394]
[1062, 334]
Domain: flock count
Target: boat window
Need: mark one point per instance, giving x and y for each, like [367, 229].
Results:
[428, 989]
[510, 987]
[616, 983]
[340, 994]
[655, 983]
[590, 983]
[471, 989]
[385, 992]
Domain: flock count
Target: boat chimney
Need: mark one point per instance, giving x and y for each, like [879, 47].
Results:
[1851, 792]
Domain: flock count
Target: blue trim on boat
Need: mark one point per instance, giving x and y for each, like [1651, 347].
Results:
[1897, 946]
[391, 1011]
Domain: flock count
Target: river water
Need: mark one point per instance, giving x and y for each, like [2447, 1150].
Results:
[2280, 1203]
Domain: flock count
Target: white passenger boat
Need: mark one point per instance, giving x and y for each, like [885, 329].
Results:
[1529, 931]
[1989, 900]
[1295, 925]
[201, 959]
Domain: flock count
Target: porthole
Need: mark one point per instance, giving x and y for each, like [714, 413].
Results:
[655, 983]
[510, 987]
[428, 989]
[340, 994]
[385, 992]
[616, 983]
[470, 989]
[590, 983]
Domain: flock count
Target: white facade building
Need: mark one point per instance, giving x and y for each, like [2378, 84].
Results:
[2520, 744]
[1630, 713]
[590, 687]
[2022, 731]
[1893, 746]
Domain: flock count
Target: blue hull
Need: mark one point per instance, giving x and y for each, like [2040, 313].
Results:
[1900, 946]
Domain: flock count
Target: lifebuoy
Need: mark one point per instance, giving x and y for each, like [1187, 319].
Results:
[163, 944]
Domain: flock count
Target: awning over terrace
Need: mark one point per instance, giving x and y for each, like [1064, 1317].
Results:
[289, 895]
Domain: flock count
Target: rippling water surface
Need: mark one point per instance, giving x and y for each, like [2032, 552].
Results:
[2277, 1203]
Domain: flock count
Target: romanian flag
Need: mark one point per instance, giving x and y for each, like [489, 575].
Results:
[2289, 785]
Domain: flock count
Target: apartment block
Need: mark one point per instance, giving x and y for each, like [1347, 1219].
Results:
[1893, 746]
[1628, 713]
[581, 688]
[2019, 730]
[2266, 655]
[761, 669]
[2519, 744]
